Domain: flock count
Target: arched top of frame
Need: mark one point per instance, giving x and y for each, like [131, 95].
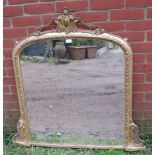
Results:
[68, 26]
[67, 22]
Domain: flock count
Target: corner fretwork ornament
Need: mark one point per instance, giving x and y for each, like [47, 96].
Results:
[66, 23]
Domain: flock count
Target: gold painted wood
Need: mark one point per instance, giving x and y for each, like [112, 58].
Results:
[66, 28]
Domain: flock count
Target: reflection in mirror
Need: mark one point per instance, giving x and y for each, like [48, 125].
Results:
[74, 91]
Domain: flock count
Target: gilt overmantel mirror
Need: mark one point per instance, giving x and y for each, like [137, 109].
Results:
[74, 85]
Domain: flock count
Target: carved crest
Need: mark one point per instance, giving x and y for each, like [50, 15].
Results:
[67, 23]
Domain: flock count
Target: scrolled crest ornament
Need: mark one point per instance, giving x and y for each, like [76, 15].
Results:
[66, 22]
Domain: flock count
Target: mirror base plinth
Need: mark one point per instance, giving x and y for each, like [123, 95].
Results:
[133, 148]
[81, 146]
[22, 143]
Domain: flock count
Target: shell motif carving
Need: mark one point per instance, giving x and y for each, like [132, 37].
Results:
[65, 23]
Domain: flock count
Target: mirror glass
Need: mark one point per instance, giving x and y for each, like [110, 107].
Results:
[74, 91]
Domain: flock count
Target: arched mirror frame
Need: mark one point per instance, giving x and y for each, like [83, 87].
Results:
[68, 29]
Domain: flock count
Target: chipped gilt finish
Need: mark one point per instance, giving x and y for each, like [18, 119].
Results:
[66, 27]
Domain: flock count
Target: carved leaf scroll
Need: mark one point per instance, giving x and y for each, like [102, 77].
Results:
[20, 135]
[134, 135]
[67, 23]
